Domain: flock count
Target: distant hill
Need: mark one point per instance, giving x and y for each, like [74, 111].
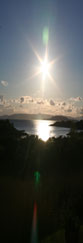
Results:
[60, 118]
[38, 116]
[26, 116]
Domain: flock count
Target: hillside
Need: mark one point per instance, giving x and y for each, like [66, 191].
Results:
[58, 192]
[69, 124]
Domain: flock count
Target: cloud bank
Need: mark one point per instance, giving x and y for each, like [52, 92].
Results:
[29, 104]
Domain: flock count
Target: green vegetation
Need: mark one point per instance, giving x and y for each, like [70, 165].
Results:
[57, 166]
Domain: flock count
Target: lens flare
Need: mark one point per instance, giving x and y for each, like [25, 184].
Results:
[45, 65]
[37, 177]
[34, 236]
[45, 35]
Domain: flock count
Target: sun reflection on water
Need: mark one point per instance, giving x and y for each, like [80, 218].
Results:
[43, 130]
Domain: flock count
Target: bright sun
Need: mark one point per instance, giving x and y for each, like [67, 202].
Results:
[44, 68]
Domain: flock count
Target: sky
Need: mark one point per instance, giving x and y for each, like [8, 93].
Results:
[22, 25]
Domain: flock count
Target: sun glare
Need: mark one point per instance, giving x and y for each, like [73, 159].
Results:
[45, 65]
[43, 131]
[44, 68]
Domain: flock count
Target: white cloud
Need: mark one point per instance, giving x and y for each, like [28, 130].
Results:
[29, 104]
[76, 99]
[40, 102]
[69, 110]
[4, 83]
[21, 99]
[52, 102]
[81, 111]
[64, 103]
[24, 99]
[31, 100]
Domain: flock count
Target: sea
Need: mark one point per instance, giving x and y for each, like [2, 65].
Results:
[41, 128]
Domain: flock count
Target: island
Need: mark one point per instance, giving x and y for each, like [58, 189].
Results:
[78, 125]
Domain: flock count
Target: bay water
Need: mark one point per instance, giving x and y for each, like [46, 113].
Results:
[41, 128]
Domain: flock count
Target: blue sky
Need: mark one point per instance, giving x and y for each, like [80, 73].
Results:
[22, 21]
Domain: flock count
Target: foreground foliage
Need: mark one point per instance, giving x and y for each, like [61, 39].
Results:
[58, 192]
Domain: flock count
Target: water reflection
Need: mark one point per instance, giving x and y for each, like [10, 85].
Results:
[43, 130]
